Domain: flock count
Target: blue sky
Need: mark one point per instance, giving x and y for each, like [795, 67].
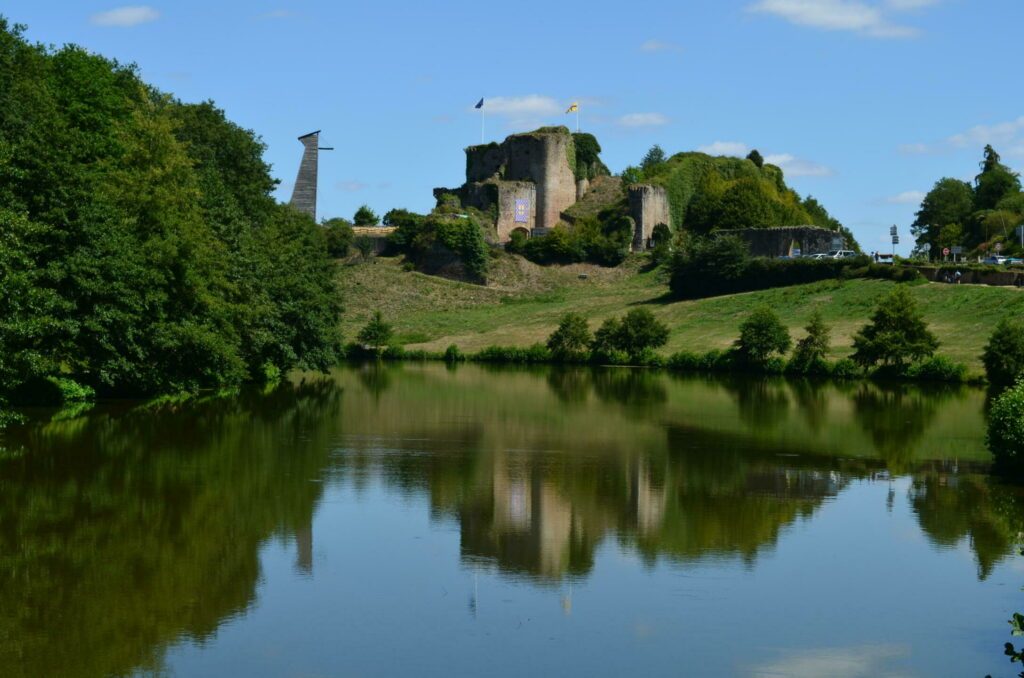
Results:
[864, 103]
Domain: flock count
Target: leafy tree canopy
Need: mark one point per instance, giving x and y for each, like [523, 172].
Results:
[143, 235]
[897, 333]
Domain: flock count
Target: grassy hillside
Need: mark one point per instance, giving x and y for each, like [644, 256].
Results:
[523, 303]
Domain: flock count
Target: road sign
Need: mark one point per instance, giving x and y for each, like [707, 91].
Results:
[945, 251]
[892, 231]
[957, 249]
[895, 240]
[999, 247]
[837, 243]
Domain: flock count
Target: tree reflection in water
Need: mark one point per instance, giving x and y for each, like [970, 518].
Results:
[124, 531]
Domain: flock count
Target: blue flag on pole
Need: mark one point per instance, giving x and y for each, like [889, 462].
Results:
[479, 104]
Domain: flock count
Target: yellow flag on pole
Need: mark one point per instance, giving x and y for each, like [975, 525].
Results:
[573, 108]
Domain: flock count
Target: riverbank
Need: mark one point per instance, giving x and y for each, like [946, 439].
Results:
[522, 304]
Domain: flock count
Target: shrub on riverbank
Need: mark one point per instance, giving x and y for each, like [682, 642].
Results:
[1004, 354]
[1006, 429]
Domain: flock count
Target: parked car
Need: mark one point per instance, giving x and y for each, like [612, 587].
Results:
[819, 255]
[887, 259]
[1014, 261]
[841, 254]
[994, 260]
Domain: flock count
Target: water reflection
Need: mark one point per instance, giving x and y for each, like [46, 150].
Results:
[126, 530]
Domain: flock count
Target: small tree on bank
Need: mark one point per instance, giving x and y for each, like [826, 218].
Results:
[809, 354]
[365, 216]
[641, 332]
[376, 334]
[635, 335]
[762, 335]
[571, 339]
[896, 335]
[1004, 354]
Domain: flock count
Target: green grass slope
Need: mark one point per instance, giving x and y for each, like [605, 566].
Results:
[523, 302]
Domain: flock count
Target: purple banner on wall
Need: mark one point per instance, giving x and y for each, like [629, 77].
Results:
[522, 214]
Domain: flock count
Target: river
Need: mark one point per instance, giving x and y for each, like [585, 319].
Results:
[462, 521]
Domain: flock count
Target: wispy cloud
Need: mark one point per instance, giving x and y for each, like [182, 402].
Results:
[529, 105]
[906, 198]
[1007, 137]
[660, 46]
[866, 19]
[736, 148]
[979, 135]
[798, 167]
[351, 186]
[125, 17]
[907, 5]
[790, 164]
[643, 120]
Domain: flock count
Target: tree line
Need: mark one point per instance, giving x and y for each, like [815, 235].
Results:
[141, 250]
[975, 216]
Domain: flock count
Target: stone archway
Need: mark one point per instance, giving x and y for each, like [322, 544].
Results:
[522, 231]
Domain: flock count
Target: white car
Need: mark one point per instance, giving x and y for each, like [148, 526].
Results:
[840, 254]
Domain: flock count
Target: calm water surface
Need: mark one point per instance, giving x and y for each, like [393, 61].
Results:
[419, 520]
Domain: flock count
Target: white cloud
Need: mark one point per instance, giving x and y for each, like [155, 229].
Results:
[736, 148]
[979, 135]
[660, 46]
[906, 198]
[839, 15]
[1007, 137]
[791, 165]
[797, 167]
[529, 105]
[351, 186]
[906, 5]
[643, 120]
[125, 17]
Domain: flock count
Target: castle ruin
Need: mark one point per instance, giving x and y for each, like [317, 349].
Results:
[530, 180]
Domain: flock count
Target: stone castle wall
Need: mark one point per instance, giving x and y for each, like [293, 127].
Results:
[648, 205]
[543, 159]
[508, 193]
[483, 162]
[781, 241]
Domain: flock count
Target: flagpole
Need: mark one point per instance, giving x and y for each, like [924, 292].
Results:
[577, 120]
[481, 125]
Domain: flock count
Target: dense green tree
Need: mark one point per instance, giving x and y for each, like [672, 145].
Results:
[156, 257]
[640, 332]
[655, 156]
[950, 201]
[762, 335]
[365, 216]
[606, 338]
[376, 334]
[809, 355]
[1006, 430]
[571, 339]
[339, 236]
[1004, 354]
[995, 183]
[632, 175]
[897, 333]
[755, 157]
